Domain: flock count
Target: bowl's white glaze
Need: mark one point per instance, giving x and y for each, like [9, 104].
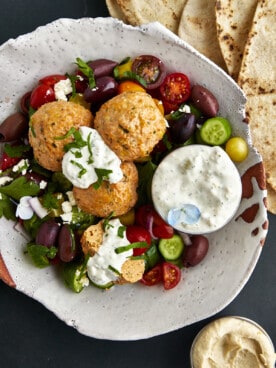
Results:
[134, 311]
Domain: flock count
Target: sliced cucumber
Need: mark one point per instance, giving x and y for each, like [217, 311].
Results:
[171, 249]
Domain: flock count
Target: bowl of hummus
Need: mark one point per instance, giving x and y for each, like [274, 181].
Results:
[233, 342]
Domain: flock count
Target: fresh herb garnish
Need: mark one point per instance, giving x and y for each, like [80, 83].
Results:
[50, 201]
[102, 175]
[40, 254]
[121, 231]
[87, 71]
[73, 79]
[7, 208]
[89, 146]
[16, 151]
[20, 187]
[111, 268]
[71, 131]
[133, 76]
[80, 166]
[125, 248]
[106, 222]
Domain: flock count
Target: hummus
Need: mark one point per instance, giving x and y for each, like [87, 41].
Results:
[232, 342]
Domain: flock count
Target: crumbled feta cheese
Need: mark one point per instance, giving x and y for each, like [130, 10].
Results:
[62, 89]
[5, 180]
[66, 217]
[185, 108]
[66, 207]
[21, 166]
[71, 198]
[43, 184]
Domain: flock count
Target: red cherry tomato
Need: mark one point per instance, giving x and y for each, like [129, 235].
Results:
[150, 68]
[51, 80]
[153, 277]
[41, 95]
[6, 161]
[175, 89]
[135, 234]
[171, 275]
[147, 217]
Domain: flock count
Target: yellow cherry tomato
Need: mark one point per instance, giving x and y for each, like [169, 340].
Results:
[237, 149]
[160, 105]
[129, 85]
[123, 68]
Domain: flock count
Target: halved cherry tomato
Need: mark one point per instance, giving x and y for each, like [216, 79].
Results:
[171, 275]
[153, 277]
[51, 80]
[147, 217]
[6, 161]
[129, 85]
[150, 68]
[41, 95]
[175, 89]
[135, 234]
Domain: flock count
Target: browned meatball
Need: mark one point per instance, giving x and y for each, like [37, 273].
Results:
[116, 198]
[131, 125]
[51, 121]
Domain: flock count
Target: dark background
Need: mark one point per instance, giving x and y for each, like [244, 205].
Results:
[31, 336]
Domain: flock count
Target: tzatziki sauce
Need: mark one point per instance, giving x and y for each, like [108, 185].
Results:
[80, 164]
[197, 189]
[105, 266]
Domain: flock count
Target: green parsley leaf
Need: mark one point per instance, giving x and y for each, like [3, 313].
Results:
[50, 201]
[40, 254]
[121, 231]
[102, 175]
[87, 71]
[16, 151]
[135, 77]
[20, 187]
[125, 248]
[73, 79]
[106, 223]
[70, 132]
[7, 208]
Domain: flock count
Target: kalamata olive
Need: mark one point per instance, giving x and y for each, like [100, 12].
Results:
[48, 233]
[13, 127]
[66, 244]
[204, 100]
[183, 128]
[25, 102]
[194, 253]
[106, 88]
[102, 67]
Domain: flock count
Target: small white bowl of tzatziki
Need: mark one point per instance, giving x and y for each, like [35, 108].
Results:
[197, 189]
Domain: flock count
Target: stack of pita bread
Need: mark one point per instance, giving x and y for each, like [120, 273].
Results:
[240, 37]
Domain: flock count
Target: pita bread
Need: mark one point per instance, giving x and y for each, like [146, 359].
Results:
[233, 20]
[271, 200]
[258, 69]
[261, 112]
[115, 10]
[198, 27]
[167, 12]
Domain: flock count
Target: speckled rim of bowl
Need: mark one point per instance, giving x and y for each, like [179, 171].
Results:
[228, 218]
[250, 321]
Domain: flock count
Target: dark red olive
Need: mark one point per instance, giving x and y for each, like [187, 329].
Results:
[13, 127]
[204, 101]
[102, 67]
[194, 253]
[183, 128]
[106, 88]
[25, 102]
[48, 233]
[67, 249]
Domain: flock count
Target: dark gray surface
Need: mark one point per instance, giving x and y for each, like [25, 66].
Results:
[31, 336]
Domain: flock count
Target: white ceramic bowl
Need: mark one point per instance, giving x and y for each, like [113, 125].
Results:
[233, 338]
[135, 311]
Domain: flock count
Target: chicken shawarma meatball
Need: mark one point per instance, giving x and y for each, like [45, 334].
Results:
[117, 198]
[131, 124]
[91, 241]
[49, 126]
